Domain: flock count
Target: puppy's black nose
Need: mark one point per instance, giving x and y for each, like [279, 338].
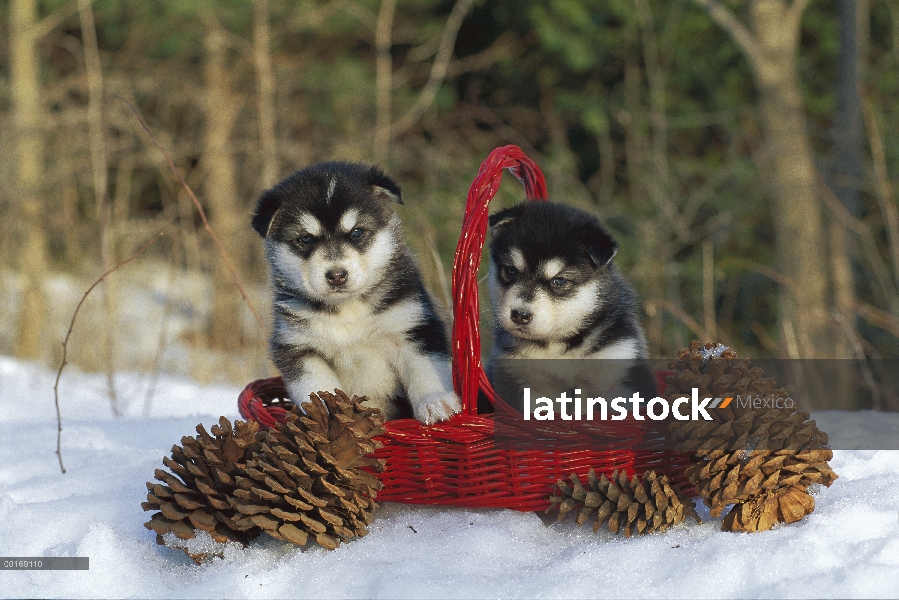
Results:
[336, 277]
[521, 317]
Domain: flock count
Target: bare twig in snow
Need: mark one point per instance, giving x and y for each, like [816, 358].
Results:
[65, 343]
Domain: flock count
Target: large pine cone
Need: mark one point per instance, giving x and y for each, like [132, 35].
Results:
[305, 477]
[761, 460]
[196, 496]
[652, 504]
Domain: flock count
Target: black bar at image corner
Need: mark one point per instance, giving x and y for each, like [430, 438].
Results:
[44, 563]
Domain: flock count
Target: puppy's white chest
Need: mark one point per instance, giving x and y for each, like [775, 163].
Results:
[357, 325]
[551, 350]
[364, 346]
[353, 325]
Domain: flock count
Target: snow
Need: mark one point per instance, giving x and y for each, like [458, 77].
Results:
[849, 547]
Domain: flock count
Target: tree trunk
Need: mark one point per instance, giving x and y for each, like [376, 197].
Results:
[847, 171]
[226, 217]
[800, 234]
[265, 94]
[659, 179]
[383, 81]
[29, 156]
[100, 172]
[648, 268]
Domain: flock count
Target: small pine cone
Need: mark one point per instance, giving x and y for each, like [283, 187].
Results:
[196, 496]
[786, 504]
[305, 478]
[653, 504]
[746, 456]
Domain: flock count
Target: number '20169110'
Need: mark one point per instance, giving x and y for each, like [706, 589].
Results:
[22, 564]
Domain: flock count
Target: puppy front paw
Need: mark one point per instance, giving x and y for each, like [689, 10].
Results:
[436, 407]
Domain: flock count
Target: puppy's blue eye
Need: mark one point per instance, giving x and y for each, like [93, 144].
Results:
[509, 271]
[558, 281]
[357, 234]
[307, 239]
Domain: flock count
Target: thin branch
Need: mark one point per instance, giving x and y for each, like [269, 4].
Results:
[740, 34]
[794, 16]
[509, 134]
[438, 69]
[764, 339]
[99, 167]
[423, 51]
[442, 279]
[764, 270]
[697, 197]
[684, 318]
[54, 19]
[854, 339]
[659, 184]
[790, 340]
[265, 91]
[357, 11]
[503, 47]
[884, 189]
[160, 348]
[309, 16]
[237, 42]
[843, 281]
[708, 287]
[206, 226]
[383, 79]
[878, 318]
[887, 288]
[65, 343]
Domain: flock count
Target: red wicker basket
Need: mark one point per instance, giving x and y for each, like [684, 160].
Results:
[457, 462]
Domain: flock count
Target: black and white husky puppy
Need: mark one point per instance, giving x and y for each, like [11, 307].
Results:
[556, 292]
[350, 308]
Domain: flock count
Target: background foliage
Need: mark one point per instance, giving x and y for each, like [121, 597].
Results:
[642, 111]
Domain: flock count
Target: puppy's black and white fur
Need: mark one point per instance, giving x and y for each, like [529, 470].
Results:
[556, 292]
[350, 308]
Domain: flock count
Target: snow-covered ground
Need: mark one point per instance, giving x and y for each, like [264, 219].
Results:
[849, 547]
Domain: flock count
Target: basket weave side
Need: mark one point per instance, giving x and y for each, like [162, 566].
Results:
[456, 463]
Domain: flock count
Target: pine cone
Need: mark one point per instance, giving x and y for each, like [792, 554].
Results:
[305, 477]
[716, 372]
[652, 504]
[724, 478]
[786, 504]
[196, 496]
[762, 460]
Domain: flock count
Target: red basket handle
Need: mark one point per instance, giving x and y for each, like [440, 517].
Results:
[468, 372]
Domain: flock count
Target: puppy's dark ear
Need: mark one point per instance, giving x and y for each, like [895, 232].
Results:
[383, 186]
[504, 216]
[600, 244]
[265, 213]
